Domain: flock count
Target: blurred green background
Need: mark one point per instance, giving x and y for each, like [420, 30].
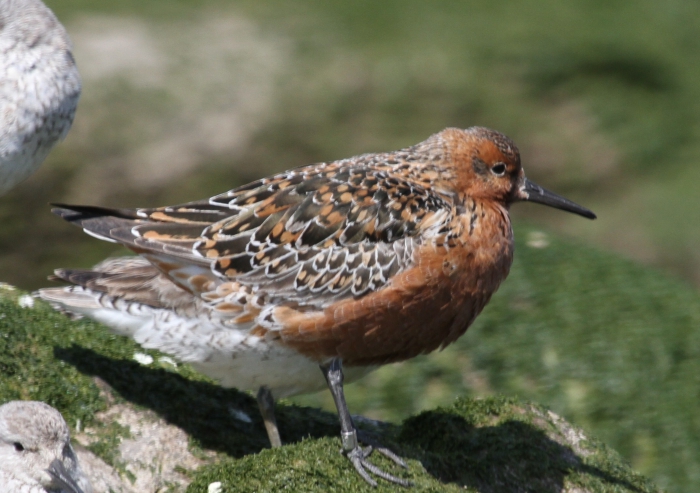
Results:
[187, 98]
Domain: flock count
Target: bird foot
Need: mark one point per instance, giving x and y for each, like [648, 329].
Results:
[358, 456]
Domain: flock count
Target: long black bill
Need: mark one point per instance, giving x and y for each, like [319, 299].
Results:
[532, 192]
[62, 478]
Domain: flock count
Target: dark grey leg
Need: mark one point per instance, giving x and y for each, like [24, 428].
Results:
[266, 403]
[333, 371]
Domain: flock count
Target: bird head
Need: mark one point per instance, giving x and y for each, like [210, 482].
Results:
[35, 447]
[487, 166]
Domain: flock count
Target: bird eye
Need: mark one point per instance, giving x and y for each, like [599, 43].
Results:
[498, 169]
[18, 447]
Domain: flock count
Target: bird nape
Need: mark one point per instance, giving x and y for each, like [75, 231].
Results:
[345, 266]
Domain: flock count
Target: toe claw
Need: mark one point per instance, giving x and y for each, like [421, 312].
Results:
[385, 475]
[358, 456]
[391, 455]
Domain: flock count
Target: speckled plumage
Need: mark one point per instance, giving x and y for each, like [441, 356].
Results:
[35, 451]
[368, 260]
[39, 87]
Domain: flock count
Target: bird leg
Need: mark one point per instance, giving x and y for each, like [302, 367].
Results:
[333, 372]
[266, 403]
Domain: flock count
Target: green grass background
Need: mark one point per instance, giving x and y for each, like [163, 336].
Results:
[603, 99]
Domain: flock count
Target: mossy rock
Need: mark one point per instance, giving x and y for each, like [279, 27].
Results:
[494, 444]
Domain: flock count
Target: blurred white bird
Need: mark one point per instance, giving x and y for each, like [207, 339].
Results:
[35, 451]
[39, 87]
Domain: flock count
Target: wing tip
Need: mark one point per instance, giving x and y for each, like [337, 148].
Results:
[90, 211]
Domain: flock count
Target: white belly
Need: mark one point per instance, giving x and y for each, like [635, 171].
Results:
[229, 355]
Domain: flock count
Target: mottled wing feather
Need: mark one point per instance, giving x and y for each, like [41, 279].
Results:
[118, 225]
[309, 235]
[131, 279]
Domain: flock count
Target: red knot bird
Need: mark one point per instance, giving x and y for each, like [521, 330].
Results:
[39, 87]
[346, 265]
[35, 451]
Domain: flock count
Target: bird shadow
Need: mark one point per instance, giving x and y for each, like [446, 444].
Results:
[224, 420]
[511, 456]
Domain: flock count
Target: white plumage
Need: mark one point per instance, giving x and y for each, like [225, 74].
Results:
[39, 87]
[35, 451]
[193, 332]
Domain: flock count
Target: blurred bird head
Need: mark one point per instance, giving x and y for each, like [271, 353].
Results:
[35, 448]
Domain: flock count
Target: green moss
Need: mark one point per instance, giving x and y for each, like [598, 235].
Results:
[495, 444]
[46, 356]
[472, 444]
[29, 338]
